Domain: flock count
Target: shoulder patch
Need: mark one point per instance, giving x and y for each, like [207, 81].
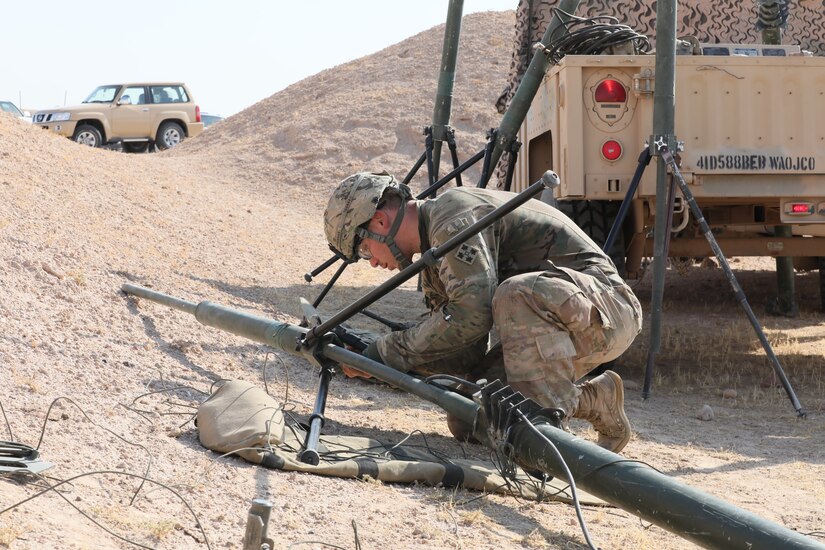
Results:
[467, 254]
[457, 225]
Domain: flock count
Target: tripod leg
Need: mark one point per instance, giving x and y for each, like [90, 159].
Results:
[414, 170]
[644, 160]
[428, 151]
[330, 284]
[651, 354]
[511, 165]
[308, 276]
[488, 153]
[737, 290]
[453, 155]
[310, 453]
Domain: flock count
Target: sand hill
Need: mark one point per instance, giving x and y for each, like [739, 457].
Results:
[365, 114]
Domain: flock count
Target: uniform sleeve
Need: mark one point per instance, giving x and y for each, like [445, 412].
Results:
[469, 278]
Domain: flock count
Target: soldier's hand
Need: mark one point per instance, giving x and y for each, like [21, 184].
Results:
[371, 352]
[350, 372]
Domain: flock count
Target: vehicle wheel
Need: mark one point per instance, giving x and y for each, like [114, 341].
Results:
[86, 134]
[139, 147]
[596, 219]
[169, 135]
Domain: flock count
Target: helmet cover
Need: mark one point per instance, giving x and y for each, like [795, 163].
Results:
[352, 204]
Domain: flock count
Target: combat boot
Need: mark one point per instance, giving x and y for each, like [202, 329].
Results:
[602, 404]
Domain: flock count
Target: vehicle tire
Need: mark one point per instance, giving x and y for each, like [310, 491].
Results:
[86, 134]
[136, 147]
[596, 219]
[169, 135]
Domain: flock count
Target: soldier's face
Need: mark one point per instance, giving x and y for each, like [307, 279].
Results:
[381, 254]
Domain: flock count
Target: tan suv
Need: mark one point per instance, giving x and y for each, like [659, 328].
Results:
[134, 115]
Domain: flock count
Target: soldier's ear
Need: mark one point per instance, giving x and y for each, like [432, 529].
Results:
[380, 219]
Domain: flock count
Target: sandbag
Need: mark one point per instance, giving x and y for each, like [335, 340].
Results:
[240, 418]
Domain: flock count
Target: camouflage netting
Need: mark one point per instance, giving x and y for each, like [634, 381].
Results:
[720, 21]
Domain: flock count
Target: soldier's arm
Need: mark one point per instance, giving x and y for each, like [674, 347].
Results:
[469, 278]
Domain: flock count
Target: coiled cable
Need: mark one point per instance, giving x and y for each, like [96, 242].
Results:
[590, 36]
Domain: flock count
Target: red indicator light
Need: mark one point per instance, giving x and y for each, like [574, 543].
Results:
[611, 149]
[610, 91]
[799, 208]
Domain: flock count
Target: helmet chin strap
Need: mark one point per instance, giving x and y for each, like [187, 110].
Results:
[389, 238]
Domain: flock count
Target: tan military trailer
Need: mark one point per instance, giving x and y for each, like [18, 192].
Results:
[752, 121]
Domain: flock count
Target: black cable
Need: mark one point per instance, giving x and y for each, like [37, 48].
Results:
[8, 424]
[131, 406]
[355, 531]
[590, 36]
[569, 475]
[143, 478]
[95, 424]
[286, 372]
[110, 472]
[328, 544]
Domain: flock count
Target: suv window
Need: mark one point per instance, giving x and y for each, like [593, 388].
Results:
[102, 94]
[10, 107]
[169, 94]
[135, 95]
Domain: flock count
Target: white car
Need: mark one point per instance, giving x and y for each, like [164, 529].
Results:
[11, 108]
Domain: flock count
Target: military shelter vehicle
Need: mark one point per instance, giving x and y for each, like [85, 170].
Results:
[754, 147]
[746, 113]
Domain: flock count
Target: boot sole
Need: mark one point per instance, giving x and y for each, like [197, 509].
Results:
[617, 381]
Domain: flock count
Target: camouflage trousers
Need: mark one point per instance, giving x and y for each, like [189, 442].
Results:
[556, 326]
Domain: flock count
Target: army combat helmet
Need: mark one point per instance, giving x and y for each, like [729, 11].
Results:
[352, 206]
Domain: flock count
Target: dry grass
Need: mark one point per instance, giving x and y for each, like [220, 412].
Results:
[10, 533]
[29, 383]
[703, 348]
[129, 523]
[78, 277]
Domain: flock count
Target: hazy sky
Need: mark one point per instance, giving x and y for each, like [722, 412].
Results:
[230, 54]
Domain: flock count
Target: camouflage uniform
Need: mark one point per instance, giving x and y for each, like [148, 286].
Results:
[555, 299]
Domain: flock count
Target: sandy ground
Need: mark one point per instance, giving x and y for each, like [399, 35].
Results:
[100, 383]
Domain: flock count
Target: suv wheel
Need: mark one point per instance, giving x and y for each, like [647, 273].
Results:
[86, 134]
[169, 135]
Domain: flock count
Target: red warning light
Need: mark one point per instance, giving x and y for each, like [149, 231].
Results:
[611, 149]
[610, 91]
[799, 208]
